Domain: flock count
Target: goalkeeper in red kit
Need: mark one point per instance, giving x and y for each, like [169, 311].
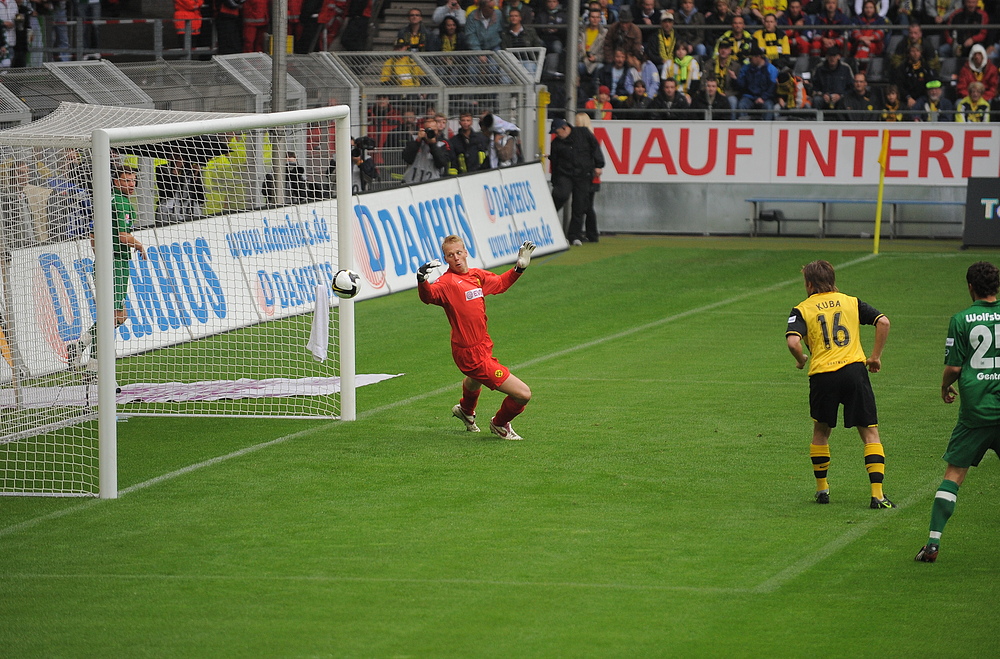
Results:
[461, 290]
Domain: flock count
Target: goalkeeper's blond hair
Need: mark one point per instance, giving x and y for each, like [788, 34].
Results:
[451, 239]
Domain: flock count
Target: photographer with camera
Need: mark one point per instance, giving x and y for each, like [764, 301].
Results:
[363, 170]
[450, 8]
[428, 155]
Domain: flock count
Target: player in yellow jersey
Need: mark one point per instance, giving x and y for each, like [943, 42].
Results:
[830, 323]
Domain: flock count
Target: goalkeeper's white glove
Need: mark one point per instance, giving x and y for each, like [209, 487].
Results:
[426, 268]
[524, 255]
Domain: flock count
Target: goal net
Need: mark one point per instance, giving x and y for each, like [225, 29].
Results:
[166, 263]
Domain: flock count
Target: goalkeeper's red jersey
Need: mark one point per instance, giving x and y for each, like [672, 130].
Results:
[463, 299]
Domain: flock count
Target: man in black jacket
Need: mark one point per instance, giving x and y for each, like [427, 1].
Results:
[469, 149]
[576, 160]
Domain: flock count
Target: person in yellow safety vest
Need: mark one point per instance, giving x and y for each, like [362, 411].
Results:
[401, 69]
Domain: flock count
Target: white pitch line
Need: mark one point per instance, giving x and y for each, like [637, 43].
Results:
[879, 517]
[27, 524]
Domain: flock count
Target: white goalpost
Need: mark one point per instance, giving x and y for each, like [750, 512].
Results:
[161, 263]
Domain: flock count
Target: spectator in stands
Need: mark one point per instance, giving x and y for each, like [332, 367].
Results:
[256, 22]
[553, 34]
[721, 18]
[383, 118]
[669, 104]
[939, 11]
[635, 106]
[185, 12]
[615, 75]
[974, 107]
[640, 68]
[644, 12]
[881, 7]
[179, 190]
[228, 26]
[591, 52]
[774, 44]
[296, 186]
[600, 106]
[660, 45]
[868, 40]
[758, 82]
[623, 35]
[791, 95]
[978, 69]
[859, 103]
[798, 40]
[726, 70]
[831, 80]
[892, 106]
[405, 131]
[684, 68]
[609, 12]
[428, 156]
[712, 101]
[968, 30]
[413, 35]
[503, 139]
[449, 8]
[401, 69]
[469, 148]
[689, 21]
[18, 226]
[741, 40]
[449, 37]
[935, 106]
[915, 37]
[761, 8]
[823, 40]
[517, 35]
[527, 14]
[912, 76]
[88, 11]
[484, 26]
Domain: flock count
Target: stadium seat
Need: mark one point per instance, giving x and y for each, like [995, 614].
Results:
[949, 68]
[876, 70]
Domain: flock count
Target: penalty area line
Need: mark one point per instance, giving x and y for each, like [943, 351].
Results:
[29, 523]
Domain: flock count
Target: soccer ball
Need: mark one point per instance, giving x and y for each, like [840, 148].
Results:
[346, 284]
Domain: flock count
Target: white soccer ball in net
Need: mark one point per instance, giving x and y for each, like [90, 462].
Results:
[346, 284]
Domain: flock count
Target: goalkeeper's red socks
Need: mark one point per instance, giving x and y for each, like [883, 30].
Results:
[470, 399]
[508, 410]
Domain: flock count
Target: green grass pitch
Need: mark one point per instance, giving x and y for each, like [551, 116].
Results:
[661, 504]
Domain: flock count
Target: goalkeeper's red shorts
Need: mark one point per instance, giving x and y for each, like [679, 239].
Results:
[480, 365]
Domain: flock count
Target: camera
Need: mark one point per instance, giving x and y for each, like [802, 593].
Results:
[430, 133]
[364, 143]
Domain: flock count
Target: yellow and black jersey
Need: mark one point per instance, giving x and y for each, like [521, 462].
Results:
[830, 325]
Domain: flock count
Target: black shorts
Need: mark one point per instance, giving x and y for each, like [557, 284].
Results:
[848, 386]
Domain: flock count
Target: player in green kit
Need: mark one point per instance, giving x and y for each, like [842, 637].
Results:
[830, 324]
[972, 359]
[123, 215]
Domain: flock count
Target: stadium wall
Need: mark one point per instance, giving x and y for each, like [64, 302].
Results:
[665, 177]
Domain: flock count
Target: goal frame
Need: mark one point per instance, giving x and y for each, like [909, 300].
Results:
[103, 140]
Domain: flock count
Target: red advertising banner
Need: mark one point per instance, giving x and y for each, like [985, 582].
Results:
[927, 154]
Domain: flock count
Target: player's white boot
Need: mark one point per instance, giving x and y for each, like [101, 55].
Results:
[468, 419]
[504, 431]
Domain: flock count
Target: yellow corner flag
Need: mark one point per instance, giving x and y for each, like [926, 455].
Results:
[881, 186]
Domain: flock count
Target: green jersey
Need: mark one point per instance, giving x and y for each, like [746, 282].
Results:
[973, 344]
[122, 218]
